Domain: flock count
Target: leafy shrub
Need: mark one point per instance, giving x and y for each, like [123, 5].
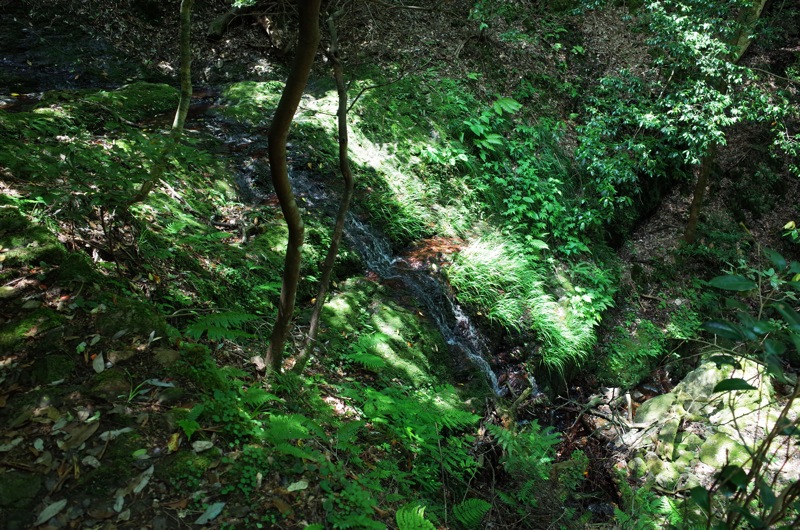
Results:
[631, 353]
[502, 281]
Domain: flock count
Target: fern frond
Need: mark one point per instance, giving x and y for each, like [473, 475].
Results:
[470, 513]
[412, 517]
[299, 452]
[279, 428]
[367, 360]
[221, 326]
[255, 396]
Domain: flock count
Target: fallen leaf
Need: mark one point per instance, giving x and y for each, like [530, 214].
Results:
[78, 435]
[100, 513]
[99, 364]
[143, 480]
[211, 513]
[111, 435]
[202, 445]
[297, 486]
[174, 442]
[10, 445]
[90, 461]
[50, 512]
[176, 505]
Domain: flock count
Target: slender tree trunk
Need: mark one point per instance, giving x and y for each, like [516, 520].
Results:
[308, 40]
[344, 205]
[183, 105]
[690, 235]
[186, 66]
[741, 41]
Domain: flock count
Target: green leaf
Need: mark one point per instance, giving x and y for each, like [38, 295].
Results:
[789, 315]
[767, 495]
[729, 385]
[729, 360]
[470, 513]
[702, 497]
[724, 329]
[776, 259]
[508, 105]
[412, 517]
[732, 478]
[733, 282]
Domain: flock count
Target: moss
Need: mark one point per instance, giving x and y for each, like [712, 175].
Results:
[117, 470]
[35, 324]
[110, 385]
[250, 102]
[368, 321]
[137, 317]
[52, 368]
[134, 102]
[185, 468]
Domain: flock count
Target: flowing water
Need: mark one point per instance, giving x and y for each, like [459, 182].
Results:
[429, 289]
[432, 293]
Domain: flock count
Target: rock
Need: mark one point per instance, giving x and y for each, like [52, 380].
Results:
[170, 396]
[166, 357]
[118, 356]
[638, 467]
[667, 436]
[668, 477]
[719, 450]
[110, 385]
[655, 409]
[52, 368]
[18, 489]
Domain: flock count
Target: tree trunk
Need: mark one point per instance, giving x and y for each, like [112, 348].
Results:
[308, 40]
[344, 205]
[186, 66]
[747, 21]
[183, 105]
[690, 235]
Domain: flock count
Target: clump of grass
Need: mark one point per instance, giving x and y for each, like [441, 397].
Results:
[498, 278]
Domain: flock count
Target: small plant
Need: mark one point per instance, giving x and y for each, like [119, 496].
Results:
[632, 353]
[471, 512]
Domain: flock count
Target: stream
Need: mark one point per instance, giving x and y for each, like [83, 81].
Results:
[428, 288]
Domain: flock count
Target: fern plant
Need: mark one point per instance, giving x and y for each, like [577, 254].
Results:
[470, 513]
[221, 326]
[412, 517]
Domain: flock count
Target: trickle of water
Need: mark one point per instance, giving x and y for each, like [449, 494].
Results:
[454, 325]
[440, 305]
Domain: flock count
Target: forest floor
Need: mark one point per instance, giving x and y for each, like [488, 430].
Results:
[88, 413]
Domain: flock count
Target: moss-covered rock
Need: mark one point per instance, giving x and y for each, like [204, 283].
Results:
[110, 385]
[18, 489]
[54, 367]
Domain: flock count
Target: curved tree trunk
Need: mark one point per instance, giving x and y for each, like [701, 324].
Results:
[308, 41]
[186, 66]
[344, 205]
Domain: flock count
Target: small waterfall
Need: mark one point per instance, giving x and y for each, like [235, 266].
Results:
[454, 325]
[440, 305]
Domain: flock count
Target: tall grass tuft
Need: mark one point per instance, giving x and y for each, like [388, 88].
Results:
[497, 277]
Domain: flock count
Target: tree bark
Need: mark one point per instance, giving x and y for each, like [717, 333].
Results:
[186, 66]
[308, 40]
[183, 105]
[344, 205]
[690, 235]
